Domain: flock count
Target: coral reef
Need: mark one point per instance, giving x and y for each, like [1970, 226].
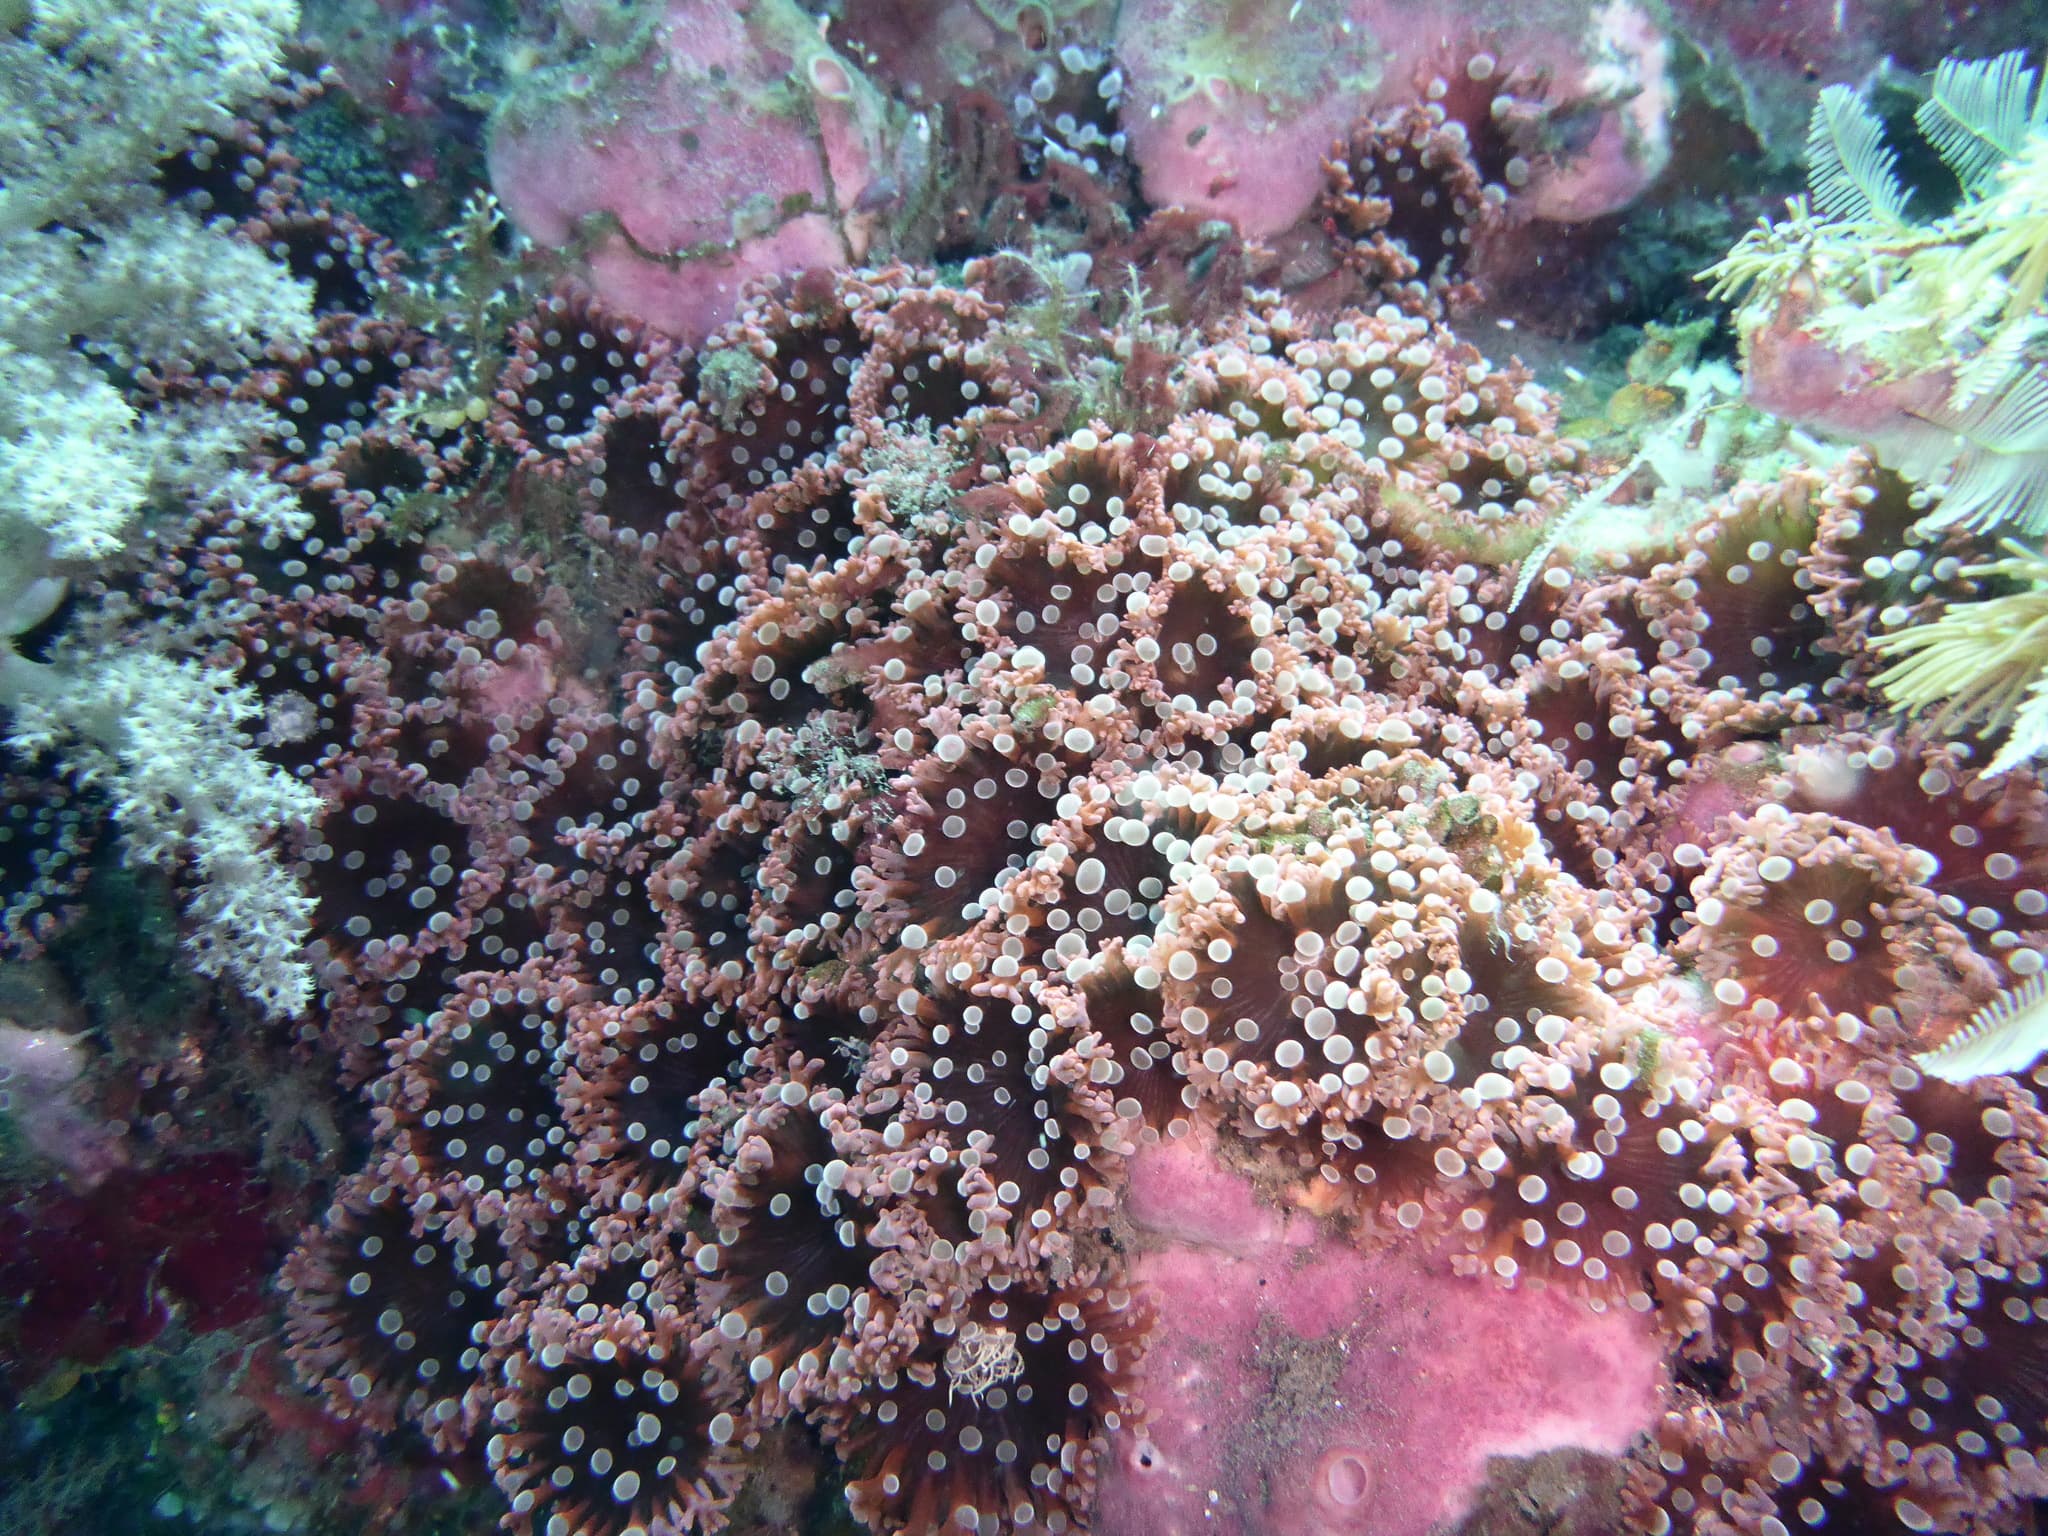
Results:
[784, 1008]
[680, 155]
[1108, 886]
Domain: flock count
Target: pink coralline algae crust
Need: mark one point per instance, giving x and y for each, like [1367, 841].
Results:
[677, 157]
[1232, 109]
[1300, 1385]
[1791, 371]
[726, 143]
[840, 864]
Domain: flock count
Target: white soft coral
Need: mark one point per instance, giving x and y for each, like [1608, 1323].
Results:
[163, 739]
[96, 267]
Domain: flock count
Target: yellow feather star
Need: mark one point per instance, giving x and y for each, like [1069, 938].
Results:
[1981, 664]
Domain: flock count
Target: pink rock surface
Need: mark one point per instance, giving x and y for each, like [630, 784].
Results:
[1791, 372]
[1621, 59]
[1232, 109]
[1300, 1386]
[733, 144]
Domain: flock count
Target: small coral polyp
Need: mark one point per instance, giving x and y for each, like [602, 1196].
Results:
[770, 1008]
[999, 1416]
[395, 1309]
[608, 1421]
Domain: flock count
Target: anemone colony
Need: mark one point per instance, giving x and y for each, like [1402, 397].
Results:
[759, 1005]
[762, 967]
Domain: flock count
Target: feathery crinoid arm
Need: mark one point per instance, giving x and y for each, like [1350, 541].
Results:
[1980, 667]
